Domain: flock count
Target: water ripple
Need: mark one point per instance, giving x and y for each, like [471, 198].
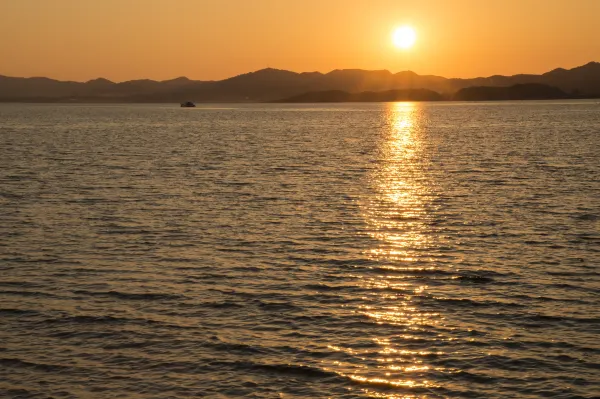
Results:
[357, 251]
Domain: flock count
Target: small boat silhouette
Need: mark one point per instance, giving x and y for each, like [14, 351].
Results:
[188, 104]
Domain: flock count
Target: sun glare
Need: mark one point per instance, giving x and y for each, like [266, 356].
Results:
[404, 37]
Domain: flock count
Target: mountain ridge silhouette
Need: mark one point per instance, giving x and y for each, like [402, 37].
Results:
[271, 84]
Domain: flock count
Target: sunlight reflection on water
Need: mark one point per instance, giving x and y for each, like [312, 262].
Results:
[397, 212]
[395, 215]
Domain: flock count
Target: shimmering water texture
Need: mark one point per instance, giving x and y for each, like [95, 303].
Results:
[282, 251]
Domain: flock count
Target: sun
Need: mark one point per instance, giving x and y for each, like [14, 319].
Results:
[404, 37]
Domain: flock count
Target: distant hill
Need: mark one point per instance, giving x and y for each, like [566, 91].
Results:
[273, 84]
[365, 96]
[49, 89]
[525, 91]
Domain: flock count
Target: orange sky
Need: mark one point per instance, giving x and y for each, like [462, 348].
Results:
[202, 39]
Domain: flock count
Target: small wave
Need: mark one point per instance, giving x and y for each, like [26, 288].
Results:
[128, 345]
[237, 348]
[277, 305]
[13, 362]
[328, 287]
[82, 319]
[472, 377]
[223, 305]
[12, 196]
[90, 320]
[563, 319]
[519, 364]
[301, 370]
[470, 303]
[35, 294]
[550, 299]
[142, 296]
[573, 273]
[22, 284]
[147, 296]
[585, 237]
[180, 260]
[287, 369]
[474, 279]
[542, 321]
[587, 217]
[32, 260]
[563, 345]
[573, 287]
[17, 312]
[83, 334]
[125, 231]
[16, 393]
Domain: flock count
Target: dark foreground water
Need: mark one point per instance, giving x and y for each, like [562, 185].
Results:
[275, 251]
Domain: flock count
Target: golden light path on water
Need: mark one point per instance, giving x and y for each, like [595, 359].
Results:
[396, 215]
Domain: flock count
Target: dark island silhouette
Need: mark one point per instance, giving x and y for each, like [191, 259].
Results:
[525, 91]
[333, 96]
[273, 85]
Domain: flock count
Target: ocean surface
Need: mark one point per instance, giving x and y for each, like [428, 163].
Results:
[400, 250]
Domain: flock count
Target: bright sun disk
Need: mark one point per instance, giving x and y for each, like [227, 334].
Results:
[404, 37]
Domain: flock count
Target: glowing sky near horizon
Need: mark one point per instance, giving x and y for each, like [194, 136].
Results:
[163, 39]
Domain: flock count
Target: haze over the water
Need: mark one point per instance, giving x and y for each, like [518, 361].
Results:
[205, 40]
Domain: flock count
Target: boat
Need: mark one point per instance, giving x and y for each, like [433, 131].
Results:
[188, 104]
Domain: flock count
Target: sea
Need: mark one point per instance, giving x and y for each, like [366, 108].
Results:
[389, 250]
